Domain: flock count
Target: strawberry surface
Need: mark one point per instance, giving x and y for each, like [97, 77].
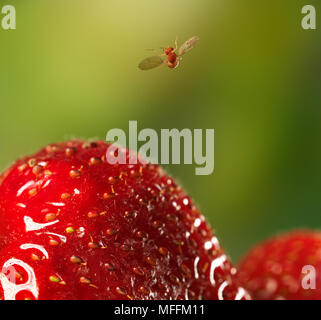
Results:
[284, 268]
[73, 226]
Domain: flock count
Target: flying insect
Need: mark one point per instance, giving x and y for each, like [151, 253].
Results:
[169, 55]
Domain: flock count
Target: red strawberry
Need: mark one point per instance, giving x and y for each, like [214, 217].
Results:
[76, 227]
[275, 269]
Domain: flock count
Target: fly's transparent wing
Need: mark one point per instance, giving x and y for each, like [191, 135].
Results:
[150, 63]
[188, 45]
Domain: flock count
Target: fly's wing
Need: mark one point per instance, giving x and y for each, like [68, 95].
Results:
[151, 63]
[188, 45]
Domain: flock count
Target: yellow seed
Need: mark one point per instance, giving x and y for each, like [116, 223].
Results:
[140, 234]
[70, 230]
[93, 245]
[112, 179]
[178, 242]
[52, 148]
[18, 275]
[151, 261]
[34, 257]
[110, 266]
[70, 151]
[53, 242]
[65, 196]
[22, 167]
[143, 290]
[54, 279]
[125, 247]
[84, 280]
[74, 259]
[163, 251]
[89, 144]
[94, 161]
[138, 271]
[121, 291]
[92, 214]
[32, 162]
[32, 192]
[75, 173]
[157, 224]
[37, 170]
[107, 195]
[50, 216]
[111, 232]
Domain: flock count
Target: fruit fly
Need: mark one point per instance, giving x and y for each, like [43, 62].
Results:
[172, 58]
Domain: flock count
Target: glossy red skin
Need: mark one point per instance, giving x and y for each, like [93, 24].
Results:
[137, 234]
[273, 269]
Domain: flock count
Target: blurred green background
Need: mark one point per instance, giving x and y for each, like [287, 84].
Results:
[70, 70]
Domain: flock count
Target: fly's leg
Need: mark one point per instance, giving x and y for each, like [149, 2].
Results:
[176, 44]
[157, 53]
